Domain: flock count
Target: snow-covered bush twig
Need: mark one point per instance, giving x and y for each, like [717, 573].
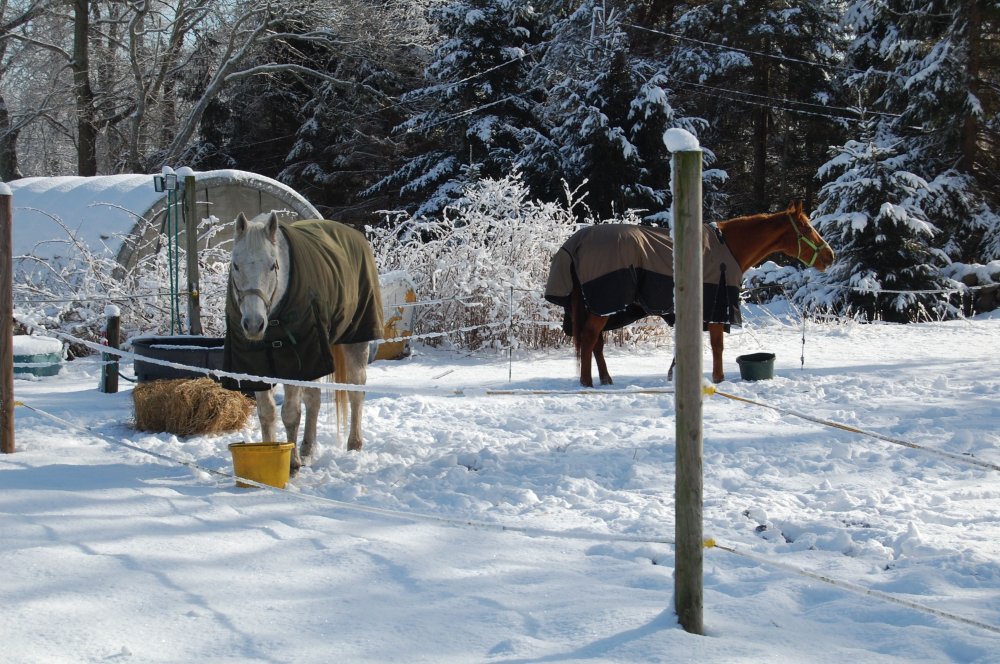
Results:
[484, 263]
[71, 293]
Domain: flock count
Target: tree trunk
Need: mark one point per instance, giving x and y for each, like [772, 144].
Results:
[86, 129]
[761, 115]
[9, 169]
[970, 128]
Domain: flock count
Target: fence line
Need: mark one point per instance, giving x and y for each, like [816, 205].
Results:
[107, 298]
[527, 531]
[845, 427]
[846, 585]
[347, 387]
[475, 391]
[365, 509]
[126, 298]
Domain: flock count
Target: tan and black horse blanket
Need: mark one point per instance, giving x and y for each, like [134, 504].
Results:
[626, 272]
[332, 297]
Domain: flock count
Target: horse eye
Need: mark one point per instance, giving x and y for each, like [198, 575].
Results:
[274, 267]
[236, 268]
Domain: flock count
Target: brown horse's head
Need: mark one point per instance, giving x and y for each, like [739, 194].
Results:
[807, 244]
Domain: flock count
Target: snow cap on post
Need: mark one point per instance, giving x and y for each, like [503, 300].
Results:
[680, 140]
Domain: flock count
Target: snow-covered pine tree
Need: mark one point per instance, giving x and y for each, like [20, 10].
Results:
[763, 73]
[869, 212]
[478, 98]
[938, 89]
[341, 146]
[605, 114]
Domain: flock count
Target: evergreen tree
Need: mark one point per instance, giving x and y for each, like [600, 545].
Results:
[870, 212]
[476, 103]
[318, 115]
[764, 75]
[604, 117]
[342, 145]
[938, 91]
[253, 121]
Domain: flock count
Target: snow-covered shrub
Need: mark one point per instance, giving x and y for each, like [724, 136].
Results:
[983, 282]
[974, 289]
[72, 294]
[482, 266]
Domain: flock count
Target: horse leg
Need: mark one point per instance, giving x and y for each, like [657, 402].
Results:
[351, 362]
[312, 398]
[670, 371]
[291, 415]
[268, 415]
[715, 338]
[590, 334]
[602, 366]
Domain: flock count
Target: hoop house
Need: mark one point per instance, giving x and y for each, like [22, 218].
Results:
[119, 216]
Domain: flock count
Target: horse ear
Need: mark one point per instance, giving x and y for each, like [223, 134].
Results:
[241, 224]
[272, 226]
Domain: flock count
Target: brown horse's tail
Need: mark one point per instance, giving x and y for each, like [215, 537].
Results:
[340, 376]
[577, 316]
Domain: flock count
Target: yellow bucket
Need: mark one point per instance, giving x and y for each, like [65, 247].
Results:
[267, 463]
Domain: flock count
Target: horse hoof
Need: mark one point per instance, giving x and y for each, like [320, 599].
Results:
[607, 381]
[354, 447]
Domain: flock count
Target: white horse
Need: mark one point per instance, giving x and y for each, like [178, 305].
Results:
[265, 267]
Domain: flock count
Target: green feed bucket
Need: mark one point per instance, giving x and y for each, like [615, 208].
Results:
[36, 356]
[756, 366]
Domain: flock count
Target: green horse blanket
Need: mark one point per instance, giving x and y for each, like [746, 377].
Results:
[626, 272]
[333, 297]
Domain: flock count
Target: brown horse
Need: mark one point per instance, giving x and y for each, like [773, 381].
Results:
[748, 239]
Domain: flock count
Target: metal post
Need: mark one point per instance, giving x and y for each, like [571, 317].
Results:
[688, 586]
[191, 234]
[109, 361]
[6, 321]
[175, 272]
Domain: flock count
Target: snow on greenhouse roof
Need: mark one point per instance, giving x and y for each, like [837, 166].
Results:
[100, 211]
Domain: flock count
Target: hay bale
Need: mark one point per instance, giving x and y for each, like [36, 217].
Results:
[187, 406]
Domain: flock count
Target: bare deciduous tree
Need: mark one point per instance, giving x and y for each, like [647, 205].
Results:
[116, 71]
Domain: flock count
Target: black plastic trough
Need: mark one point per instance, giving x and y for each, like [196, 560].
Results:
[193, 351]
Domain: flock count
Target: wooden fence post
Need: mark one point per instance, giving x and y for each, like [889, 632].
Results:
[6, 320]
[109, 365]
[686, 187]
[191, 233]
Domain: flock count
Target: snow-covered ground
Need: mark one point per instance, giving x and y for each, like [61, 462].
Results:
[112, 555]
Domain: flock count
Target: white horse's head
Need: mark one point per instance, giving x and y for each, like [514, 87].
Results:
[256, 272]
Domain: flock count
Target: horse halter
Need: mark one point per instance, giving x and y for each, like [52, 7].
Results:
[802, 239]
[242, 293]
